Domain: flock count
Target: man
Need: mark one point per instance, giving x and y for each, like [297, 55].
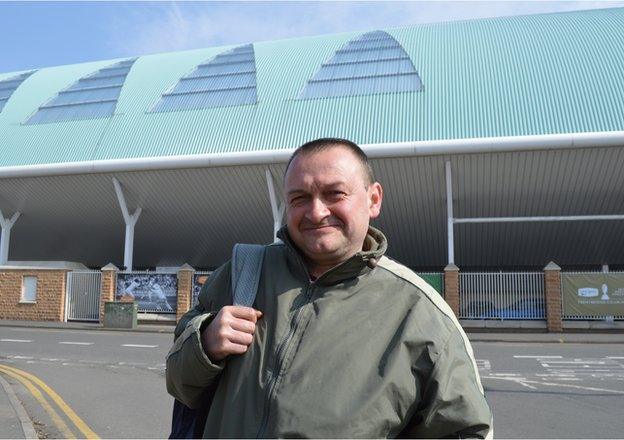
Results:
[342, 341]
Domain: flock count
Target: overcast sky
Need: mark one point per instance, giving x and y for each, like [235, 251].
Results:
[42, 34]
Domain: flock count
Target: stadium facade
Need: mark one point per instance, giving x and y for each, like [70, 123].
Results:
[499, 143]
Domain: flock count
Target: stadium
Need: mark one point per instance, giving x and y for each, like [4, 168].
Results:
[499, 143]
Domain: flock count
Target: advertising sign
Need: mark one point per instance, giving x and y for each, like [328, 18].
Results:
[152, 292]
[593, 294]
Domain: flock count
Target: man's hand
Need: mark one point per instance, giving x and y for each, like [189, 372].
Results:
[230, 332]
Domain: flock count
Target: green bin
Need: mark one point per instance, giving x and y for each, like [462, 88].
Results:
[119, 314]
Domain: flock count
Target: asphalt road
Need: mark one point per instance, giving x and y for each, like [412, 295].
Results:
[115, 382]
[554, 390]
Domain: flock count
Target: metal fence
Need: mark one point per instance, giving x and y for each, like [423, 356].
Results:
[587, 317]
[199, 279]
[82, 302]
[502, 295]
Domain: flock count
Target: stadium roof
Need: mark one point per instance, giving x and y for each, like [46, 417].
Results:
[484, 78]
[526, 110]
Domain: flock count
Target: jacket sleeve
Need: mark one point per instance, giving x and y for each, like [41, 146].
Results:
[189, 370]
[453, 403]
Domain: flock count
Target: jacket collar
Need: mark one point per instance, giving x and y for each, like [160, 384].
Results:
[375, 245]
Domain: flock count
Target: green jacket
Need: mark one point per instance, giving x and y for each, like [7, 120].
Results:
[367, 350]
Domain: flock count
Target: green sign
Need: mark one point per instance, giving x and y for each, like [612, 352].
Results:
[593, 294]
[435, 280]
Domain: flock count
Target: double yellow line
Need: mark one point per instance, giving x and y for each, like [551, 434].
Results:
[29, 381]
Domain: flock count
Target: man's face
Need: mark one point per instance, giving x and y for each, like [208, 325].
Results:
[328, 205]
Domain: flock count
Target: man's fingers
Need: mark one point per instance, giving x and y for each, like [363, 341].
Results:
[236, 349]
[243, 325]
[245, 313]
[241, 338]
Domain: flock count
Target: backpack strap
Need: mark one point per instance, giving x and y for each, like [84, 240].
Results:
[246, 270]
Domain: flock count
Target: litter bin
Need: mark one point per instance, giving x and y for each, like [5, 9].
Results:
[119, 314]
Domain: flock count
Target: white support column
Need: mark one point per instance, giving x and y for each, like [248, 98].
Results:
[605, 268]
[130, 221]
[5, 237]
[449, 214]
[277, 207]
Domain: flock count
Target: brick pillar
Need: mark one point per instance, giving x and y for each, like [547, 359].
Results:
[552, 293]
[451, 287]
[185, 289]
[107, 289]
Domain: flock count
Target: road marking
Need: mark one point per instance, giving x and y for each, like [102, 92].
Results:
[71, 415]
[139, 346]
[56, 419]
[76, 343]
[15, 340]
[525, 382]
[21, 357]
[537, 357]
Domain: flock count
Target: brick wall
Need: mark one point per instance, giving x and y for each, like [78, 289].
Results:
[50, 300]
[552, 292]
[107, 289]
[185, 290]
[451, 287]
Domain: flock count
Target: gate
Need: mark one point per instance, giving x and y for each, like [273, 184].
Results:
[501, 295]
[82, 302]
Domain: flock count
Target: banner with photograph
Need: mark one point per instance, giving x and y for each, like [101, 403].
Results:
[198, 281]
[152, 292]
[593, 294]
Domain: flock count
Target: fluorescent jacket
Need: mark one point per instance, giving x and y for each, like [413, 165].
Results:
[367, 350]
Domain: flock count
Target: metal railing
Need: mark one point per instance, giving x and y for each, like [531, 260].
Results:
[607, 318]
[82, 302]
[501, 295]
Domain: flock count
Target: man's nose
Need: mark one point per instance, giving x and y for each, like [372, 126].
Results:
[318, 211]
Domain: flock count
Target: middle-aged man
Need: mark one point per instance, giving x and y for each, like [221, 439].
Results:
[342, 341]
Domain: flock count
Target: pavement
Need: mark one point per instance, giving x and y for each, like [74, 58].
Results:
[14, 422]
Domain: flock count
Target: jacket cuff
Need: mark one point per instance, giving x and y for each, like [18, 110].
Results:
[192, 336]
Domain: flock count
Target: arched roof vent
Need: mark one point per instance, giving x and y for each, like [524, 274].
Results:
[372, 63]
[228, 79]
[94, 96]
[8, 86]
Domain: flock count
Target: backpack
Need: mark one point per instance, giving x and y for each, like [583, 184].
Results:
[246, 270]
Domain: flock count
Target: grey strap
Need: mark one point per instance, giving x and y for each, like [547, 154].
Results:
[246, 269]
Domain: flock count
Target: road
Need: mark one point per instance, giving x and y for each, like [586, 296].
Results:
[554, 390]
[114, 381]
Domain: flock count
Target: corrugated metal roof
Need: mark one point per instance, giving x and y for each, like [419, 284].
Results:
[540, 74]
[196, 215]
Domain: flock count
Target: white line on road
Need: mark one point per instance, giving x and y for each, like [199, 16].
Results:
[577, 362]
[537, 357]
[76, 343]
[15, 340]
[139, 346]
[21, 357]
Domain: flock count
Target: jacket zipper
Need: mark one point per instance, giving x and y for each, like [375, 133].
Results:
[277, 371]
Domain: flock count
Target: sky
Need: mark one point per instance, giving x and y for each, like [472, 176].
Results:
[43, 34]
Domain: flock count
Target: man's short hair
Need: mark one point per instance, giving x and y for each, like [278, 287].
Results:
[322, 144]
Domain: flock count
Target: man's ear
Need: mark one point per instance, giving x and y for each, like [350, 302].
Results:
[375, 196]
